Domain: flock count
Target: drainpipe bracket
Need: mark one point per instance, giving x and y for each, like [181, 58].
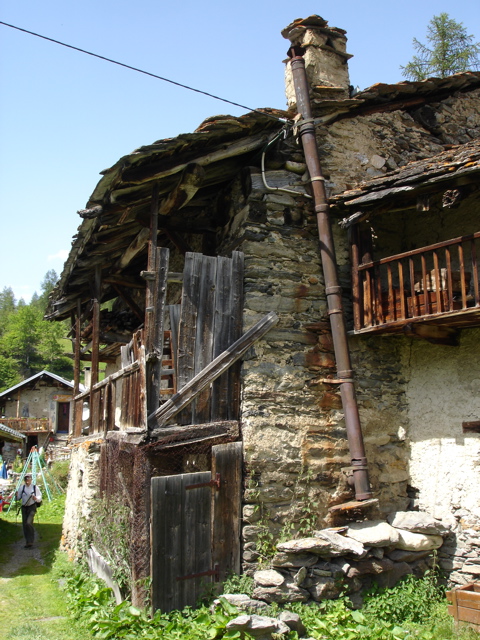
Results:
[331, 290]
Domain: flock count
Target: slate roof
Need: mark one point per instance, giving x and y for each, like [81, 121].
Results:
[459, 164]
[118, 211]
[11, 434]
[37, 376]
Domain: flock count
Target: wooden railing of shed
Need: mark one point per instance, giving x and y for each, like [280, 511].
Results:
[123, 390]
[430, 281]
[28, 424]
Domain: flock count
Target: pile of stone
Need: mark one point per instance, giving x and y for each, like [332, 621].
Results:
[349, 559]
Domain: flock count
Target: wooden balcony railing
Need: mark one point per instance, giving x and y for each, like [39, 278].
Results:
[429, 281]
[118, 401]
[28, 424]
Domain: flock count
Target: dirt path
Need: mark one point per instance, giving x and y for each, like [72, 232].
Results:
[20, 557]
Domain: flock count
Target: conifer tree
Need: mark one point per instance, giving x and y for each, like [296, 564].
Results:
[449, 50]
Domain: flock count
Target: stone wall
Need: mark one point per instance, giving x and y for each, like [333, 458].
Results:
[293, 425]
[83, 488]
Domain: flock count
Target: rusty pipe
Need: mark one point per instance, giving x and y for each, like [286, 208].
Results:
[332, 287]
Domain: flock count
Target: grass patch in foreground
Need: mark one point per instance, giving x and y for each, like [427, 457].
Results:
[413, 610]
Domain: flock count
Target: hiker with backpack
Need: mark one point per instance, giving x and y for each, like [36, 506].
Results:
[31, 497]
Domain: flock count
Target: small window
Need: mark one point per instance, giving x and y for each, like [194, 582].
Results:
[471, 427]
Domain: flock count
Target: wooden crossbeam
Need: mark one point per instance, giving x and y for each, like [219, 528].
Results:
[211, 372]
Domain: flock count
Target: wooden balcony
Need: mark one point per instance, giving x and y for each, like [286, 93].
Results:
[28, 424]
[437, 284]
[119, 401]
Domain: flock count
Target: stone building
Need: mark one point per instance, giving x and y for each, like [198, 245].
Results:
[39, 408]
[197, 239]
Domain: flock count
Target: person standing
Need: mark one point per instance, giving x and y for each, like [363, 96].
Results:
[31, 496]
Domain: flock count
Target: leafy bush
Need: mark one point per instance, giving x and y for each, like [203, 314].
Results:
[92, 602]
[109, 529]
[239, 584]
[59, 471]
[411, 600]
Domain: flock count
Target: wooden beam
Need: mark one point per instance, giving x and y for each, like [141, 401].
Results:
[188, 185]
[178, 241]
[134, 248]
[140, 175]
[212, 371]
[130, 302]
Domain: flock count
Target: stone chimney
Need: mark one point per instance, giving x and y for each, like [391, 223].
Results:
[326, 59]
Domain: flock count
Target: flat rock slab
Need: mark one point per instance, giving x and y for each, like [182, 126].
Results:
[268, 578]
[340, 545]
[242, 601]
[409, 541]
[258, 626]
[374, 533]
[417, 522]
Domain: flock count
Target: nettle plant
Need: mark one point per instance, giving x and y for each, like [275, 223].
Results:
[300, 520]
[108, 529]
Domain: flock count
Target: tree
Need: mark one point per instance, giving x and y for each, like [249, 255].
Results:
[7, 307]
[450, 50]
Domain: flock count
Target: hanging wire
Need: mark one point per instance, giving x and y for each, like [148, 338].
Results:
[284, 131]
[147, 73]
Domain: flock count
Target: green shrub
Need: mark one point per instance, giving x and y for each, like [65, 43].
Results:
[59, 471]
[411, 600]
[238, 584]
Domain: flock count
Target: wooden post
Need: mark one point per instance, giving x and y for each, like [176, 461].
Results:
[94, 372]
[227, 508]
[356, 294]
[152, 251]
[154, 336]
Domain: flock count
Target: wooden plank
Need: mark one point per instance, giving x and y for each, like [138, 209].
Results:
[401, 286]
[468, 598]
[426, 300]
[411, 268]
[180, 539]
[476, 289]
[179, 434]
[368, 263]
[227, 508]
[152, 254]
[391, 300]
[367, 299]
[166, 542]
[223, 321]
[463, 286]
[465, 614]
[187, 330]
[355, 259]
[235, 331]
[154, 351]
[448, 262]
[378, 297]
[188, 185]
[197, 538]
[201, 407]
[212, 371]
[436, 272]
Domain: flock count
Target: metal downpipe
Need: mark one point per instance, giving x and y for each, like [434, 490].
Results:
[332, 288]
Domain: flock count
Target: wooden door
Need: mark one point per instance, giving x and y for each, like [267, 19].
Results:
[63, 417]
[181, 539]
[195, 536]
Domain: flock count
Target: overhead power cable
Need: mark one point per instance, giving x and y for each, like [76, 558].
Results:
[147, 73]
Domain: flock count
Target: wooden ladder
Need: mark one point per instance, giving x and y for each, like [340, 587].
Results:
[168, 385]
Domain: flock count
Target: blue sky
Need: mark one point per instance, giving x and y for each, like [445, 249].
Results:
[65, 116]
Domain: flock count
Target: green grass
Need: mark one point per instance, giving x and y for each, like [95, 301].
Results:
[32, 606]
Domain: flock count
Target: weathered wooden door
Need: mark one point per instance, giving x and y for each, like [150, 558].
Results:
[195, 529]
